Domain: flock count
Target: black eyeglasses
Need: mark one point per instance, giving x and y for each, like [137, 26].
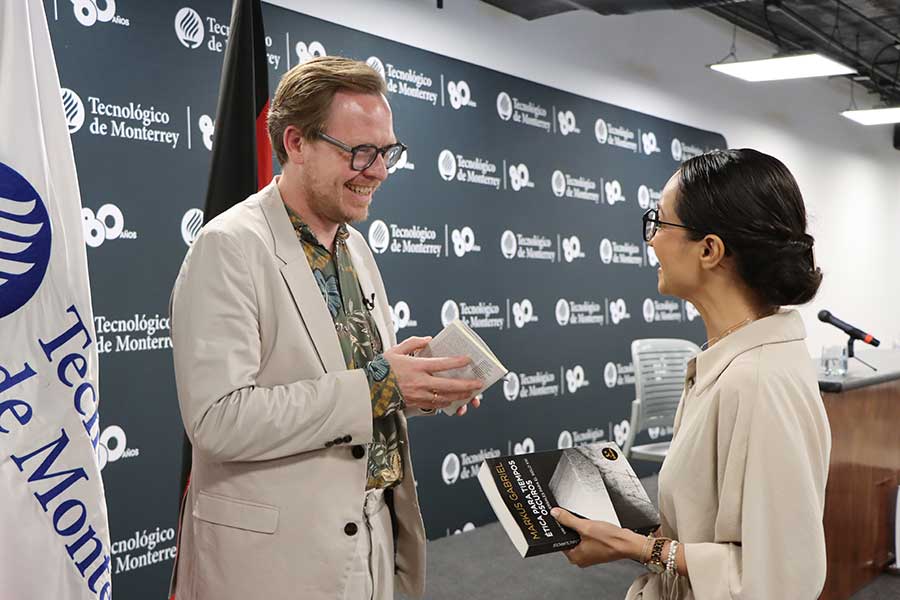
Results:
[651, 224]
[363, 156]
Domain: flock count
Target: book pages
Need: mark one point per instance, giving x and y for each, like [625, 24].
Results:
[458, 339]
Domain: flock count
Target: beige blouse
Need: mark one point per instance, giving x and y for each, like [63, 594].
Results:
[743, 485]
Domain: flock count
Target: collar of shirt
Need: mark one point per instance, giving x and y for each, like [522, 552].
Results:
[704, 369]
[307, 235]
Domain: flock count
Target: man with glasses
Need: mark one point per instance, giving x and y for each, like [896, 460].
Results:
[291, 385]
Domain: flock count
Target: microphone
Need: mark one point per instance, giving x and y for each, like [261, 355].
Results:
[370, 304]
[857, 334]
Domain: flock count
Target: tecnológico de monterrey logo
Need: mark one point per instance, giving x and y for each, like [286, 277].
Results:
[24, 240]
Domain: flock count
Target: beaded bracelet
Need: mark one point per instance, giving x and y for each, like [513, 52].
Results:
[671, 564]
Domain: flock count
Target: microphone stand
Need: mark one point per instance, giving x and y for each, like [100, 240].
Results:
[850, 353]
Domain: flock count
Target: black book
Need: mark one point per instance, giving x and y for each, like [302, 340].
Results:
[593, 481]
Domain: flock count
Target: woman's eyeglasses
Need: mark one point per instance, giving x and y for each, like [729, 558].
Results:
[651, 224]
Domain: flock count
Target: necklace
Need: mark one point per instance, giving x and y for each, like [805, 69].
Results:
[731, 329]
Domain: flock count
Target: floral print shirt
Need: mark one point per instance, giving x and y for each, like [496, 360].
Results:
[361, 345]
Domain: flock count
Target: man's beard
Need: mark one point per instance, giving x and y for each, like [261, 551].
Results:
[331, 208]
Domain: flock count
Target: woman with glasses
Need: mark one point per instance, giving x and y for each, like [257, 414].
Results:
[742, 489]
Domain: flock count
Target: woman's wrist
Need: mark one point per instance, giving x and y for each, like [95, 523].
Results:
[632, 545]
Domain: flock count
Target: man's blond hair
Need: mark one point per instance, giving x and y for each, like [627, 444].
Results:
[304, 95]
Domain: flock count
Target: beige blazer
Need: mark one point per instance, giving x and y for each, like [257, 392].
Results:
[743, 484]
[278, 423]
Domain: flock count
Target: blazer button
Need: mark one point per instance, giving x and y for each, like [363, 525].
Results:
[351, 528]
[329, 444]
[358, 451]
[347, 439]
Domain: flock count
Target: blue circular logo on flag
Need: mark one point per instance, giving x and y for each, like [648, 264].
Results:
[24, 241]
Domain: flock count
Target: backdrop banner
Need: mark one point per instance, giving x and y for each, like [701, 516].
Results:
[518, 208]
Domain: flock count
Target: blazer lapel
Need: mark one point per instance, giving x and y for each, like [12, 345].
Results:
[300, 281]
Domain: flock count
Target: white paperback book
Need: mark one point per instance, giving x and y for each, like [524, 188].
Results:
[596, 482]
[458, 339]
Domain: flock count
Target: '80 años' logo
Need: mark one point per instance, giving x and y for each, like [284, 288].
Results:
[465, 529]
[526, 446]
[24, 241]
[113, 446]
[523, 313]
[460, 94]
[567, 123]
[306, 52]
[107, 224]
[89, 12]
[464, 241]
[649, 143]
[575, 379]
[620, 432]
[401, 316]
[571, 248]
[519, 177]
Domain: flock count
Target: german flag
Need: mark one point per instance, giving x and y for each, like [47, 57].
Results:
[241, 153]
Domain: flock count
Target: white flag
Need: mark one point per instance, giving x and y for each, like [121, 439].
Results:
[54, 535]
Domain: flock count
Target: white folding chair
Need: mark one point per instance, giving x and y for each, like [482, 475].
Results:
[659, 368]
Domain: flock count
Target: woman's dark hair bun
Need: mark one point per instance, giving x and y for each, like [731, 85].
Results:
[752, 202]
